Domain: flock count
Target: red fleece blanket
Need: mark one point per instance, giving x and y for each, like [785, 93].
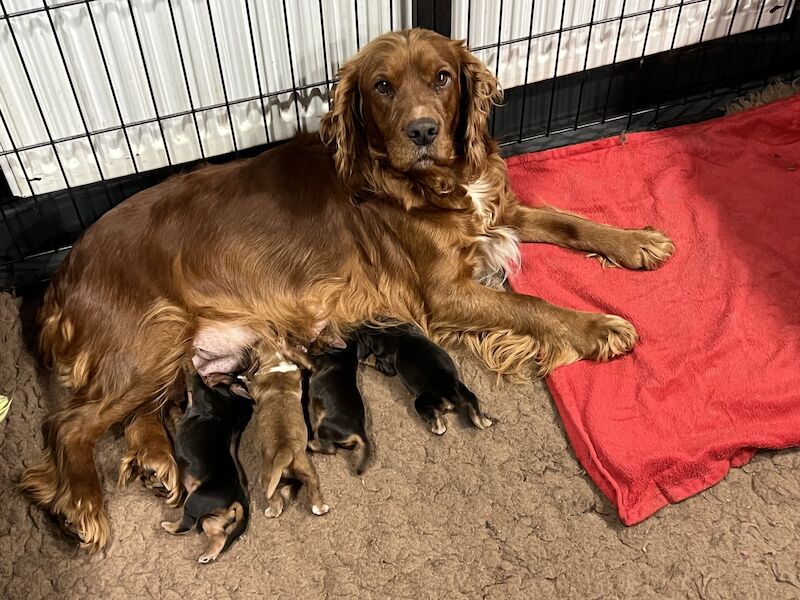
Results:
[716, 373]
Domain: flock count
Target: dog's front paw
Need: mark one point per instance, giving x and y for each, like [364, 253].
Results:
[158, 471]
[607, 336]
[641, 249]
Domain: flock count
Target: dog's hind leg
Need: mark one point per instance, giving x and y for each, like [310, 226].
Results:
[182, 525]
[323, 441]
[468, 401]
[150, 455]
[307, 474]
[271, 477]
[216, 528]
[65, 481]
[431, 408]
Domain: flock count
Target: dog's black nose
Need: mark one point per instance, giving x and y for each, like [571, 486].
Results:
[422, 131]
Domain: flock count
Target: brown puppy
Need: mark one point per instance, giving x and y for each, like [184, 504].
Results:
[276, 386]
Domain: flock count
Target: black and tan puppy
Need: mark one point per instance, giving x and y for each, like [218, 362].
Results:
[425, 369]
[335, 405]
[206, 448]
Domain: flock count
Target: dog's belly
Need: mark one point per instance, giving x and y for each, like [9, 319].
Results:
[220, 348]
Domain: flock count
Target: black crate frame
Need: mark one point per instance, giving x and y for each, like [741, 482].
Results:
[609, 100]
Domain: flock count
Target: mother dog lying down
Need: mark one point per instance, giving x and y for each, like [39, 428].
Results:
[399, 208]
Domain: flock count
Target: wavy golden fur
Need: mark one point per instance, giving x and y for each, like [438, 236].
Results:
[379, 225]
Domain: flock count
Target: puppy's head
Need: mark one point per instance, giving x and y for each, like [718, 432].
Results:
[221, 395]
[225, 382]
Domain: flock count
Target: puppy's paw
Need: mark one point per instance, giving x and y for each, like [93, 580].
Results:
[479, 420]
[169, 527]
[174, 528]
[482, 422]
[273, 513]
[438, 427]
[320, 510]
[370, 361]
[321, 447]
[207, 558]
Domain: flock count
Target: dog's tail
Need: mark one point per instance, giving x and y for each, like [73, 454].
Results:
[241, 510]
[282, 461]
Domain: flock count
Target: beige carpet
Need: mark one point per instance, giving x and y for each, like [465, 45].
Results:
[505, 513]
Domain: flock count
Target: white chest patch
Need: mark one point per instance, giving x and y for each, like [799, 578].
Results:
[499, 245]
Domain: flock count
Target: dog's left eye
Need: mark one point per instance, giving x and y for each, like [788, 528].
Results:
[443, 78]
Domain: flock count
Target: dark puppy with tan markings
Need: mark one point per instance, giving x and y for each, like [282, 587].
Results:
[335, 405]
[206, 447]
[426, 370]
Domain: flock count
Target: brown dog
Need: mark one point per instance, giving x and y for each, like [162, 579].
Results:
[275, 384]
[404, 207]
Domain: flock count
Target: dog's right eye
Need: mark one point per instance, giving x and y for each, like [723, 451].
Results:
[383, 87]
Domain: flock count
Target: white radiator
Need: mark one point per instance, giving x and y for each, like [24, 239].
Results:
[159, 82]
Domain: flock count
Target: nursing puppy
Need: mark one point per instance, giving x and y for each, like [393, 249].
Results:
[425, 369]
[335, 405]
[276, 386]
[206, 448]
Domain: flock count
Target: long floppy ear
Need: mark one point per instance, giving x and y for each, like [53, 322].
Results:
[480, 90]
[342, 128]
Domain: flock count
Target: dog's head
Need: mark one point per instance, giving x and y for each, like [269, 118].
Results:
[414, 99]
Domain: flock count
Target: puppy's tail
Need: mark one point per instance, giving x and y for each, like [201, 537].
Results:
[282, 461]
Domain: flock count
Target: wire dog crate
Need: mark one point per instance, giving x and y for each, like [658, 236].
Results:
[102, 98]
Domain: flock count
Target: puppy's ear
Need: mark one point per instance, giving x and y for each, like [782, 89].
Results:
[332, 339]
[240, 390]
[480, 90]
[342, 129]
[214, 379]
